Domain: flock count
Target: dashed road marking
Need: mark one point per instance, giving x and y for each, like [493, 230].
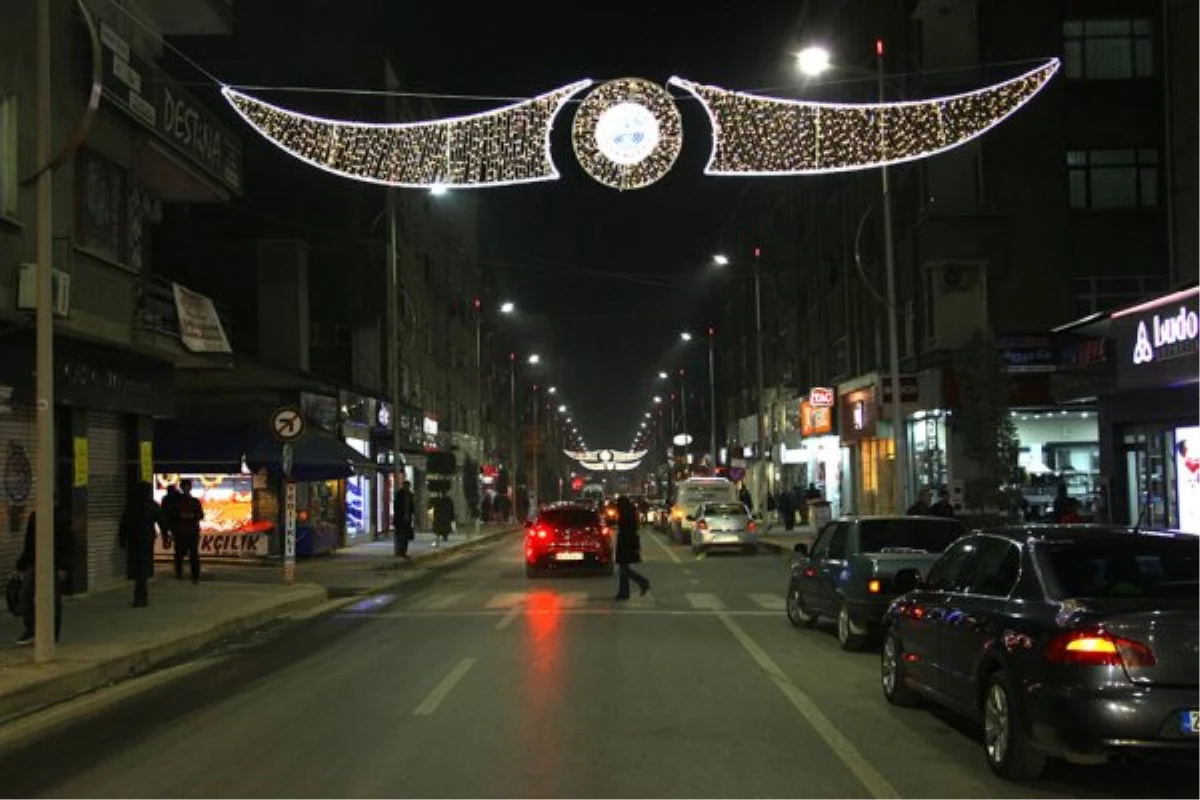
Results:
[444, 687]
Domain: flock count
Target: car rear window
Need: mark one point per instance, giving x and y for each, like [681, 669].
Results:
[725, 509]
[908, 535]
[569, 517]
[1137, 565]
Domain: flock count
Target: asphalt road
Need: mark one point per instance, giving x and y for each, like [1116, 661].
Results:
[476, 682]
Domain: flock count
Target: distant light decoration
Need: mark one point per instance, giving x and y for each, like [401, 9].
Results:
[504, 146]
[627, 133]
[755, 135]
[607, 460]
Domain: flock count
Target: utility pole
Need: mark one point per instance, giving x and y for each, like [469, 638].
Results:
[45, 573]
[899, 479]
[393, 307]
[763, 462]
[512, 427]
[712, 401]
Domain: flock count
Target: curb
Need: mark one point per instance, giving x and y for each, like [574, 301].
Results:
[68, 685]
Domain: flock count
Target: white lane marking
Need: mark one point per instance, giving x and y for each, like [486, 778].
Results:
[506, 599]
[435, 697]
[703, 600]
[667, 550]
[693, 581]
[572, 599]
[770, 601]
[508, 618]
[635, 604]
[440, 600]
[875, 784]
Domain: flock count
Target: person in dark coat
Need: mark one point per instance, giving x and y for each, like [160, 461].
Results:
[170, 512]
[787, 511]
[943, 507]
[443, 518]
[745, 499]
[185, 528]
[629, 548]
[921, 508]
[402, 518]
[136, 537]
[27, 563]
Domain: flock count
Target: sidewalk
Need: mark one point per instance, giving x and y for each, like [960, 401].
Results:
[104, 639]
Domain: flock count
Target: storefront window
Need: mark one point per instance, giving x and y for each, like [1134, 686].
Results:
[360, 496]
[927, 448]
[1162, 468]
[1059, 446]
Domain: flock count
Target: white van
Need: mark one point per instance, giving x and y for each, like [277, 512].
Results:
[689, 494]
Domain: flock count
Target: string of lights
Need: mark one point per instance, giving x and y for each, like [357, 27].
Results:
[500, 147]
[754, 135]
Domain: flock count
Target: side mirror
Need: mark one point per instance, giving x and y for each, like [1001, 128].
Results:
[800, 549]
[906, 580]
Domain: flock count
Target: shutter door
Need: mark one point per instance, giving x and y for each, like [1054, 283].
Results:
[106, 498]
[18, 466]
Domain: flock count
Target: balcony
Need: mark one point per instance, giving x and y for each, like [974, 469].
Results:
[156, 325]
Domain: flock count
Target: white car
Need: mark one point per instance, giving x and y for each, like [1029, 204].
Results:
[690, 495]
[723, 525]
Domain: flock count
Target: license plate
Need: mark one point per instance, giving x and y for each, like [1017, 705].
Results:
[568, 556]
[1190, 721]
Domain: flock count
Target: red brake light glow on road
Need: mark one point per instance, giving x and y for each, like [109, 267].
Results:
[1097, 648]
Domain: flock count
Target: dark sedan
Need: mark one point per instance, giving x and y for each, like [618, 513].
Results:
[567, 535]
[1076, 641]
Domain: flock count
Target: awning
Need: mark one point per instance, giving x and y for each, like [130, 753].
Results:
[316, 456]
[192, 447]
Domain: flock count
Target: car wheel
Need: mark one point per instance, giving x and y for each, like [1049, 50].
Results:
[892, 674]
[797, 614]
[849, 639]
[1008, 752]
[531, 571]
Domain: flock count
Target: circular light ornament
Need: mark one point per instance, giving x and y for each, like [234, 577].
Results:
[627, 133]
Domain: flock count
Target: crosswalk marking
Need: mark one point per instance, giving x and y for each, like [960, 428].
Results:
[439, 601]
[573, 599]
[704, 600]
[506, 599]
[771, 602]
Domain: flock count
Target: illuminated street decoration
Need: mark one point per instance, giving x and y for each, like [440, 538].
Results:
[627, 133]
[504, 146]
[754, 135]
[607, 460]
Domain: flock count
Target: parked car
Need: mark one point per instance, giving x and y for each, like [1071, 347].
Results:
[718, 526]
[1072, 641]
[567, 535]
[850, 571]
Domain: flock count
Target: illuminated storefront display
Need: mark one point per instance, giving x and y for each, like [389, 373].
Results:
[228, 529]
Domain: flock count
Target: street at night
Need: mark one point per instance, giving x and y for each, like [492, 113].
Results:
[474, 682]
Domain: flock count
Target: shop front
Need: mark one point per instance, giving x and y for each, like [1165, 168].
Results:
[1149, 426]
[871, 455]
[105, 401]
[820, 458]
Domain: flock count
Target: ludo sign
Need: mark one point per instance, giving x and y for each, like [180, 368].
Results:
[1158, 341]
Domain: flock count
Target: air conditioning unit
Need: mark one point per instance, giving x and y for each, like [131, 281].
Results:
[60, 290]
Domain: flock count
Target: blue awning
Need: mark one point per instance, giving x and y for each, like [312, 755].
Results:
[202, 447]
[316, 456]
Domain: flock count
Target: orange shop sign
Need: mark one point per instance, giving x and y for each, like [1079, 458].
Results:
[815, 420]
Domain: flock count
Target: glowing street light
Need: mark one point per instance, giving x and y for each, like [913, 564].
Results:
[507, 307]
[662, 376]
[534, 358]
[812, 61]
[721, 260]
[685, 336]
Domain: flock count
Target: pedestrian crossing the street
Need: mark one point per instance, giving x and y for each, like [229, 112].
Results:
[596, 600]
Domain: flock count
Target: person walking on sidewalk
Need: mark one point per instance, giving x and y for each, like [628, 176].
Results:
[27, 564]
[629, 549]
[185, 527]
[136, 536]
[402, 518]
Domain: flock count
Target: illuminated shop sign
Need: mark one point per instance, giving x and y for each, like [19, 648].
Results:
[1157, 342]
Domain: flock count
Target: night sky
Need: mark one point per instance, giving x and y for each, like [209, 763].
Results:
[619, 274]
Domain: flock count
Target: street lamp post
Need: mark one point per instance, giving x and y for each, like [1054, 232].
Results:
[813, 61]
[712, 400]
[683, 414]
[763, 466]
[512, 428]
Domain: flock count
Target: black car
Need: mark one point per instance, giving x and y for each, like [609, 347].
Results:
[1071, 641]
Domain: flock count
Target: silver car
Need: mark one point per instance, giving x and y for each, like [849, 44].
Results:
[724, 526]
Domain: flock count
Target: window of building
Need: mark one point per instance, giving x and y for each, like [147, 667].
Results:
[1102, 179]
[8, 155]
[1108, 49]
[100, 194]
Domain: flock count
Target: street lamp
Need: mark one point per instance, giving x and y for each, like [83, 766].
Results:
[813, 61]
[507, 307]
[712, 399]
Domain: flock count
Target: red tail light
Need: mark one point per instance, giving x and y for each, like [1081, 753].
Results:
[1098, 648]
[538, 532]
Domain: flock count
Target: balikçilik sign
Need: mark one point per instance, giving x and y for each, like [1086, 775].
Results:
[628, 133]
